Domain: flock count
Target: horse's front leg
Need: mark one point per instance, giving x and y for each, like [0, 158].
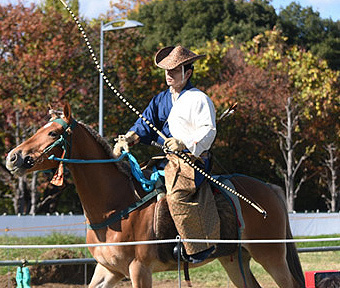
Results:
[140, 275]
[103, 278]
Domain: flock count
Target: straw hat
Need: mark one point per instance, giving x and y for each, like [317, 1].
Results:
[171, 57]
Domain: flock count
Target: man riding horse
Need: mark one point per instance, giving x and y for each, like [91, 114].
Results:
[186, 116]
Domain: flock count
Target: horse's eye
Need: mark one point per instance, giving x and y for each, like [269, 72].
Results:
[53, 134]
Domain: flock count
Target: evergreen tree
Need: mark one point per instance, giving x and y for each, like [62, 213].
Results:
[193, 22]
[305, 28]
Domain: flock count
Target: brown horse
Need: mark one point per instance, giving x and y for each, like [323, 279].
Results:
[105, 189]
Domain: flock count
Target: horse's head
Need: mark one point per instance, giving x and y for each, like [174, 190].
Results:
[32, 155]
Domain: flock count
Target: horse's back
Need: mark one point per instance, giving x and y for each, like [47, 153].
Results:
[271, 199]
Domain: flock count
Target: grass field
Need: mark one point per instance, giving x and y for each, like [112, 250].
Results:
[214, 276]
[35, 254]
[211, 274]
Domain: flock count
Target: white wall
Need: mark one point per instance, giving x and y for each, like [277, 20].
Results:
[302, 224]
[40, 225]
[313, 224]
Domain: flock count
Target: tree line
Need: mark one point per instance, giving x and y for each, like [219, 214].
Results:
[285, 80]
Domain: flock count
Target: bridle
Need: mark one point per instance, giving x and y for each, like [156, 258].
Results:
[63, 138]
[62, 141]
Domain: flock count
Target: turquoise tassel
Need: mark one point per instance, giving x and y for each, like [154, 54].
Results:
[26, 279]
[19, 278]
[23, 277]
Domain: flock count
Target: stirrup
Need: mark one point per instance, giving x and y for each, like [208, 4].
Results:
[194, 258]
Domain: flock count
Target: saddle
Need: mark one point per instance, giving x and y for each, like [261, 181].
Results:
[231, 222]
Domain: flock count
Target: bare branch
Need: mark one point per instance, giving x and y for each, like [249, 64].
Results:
[297, 189]
[283, 124]
[282, 148]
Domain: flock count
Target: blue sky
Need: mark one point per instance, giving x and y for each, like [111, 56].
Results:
[326, 8]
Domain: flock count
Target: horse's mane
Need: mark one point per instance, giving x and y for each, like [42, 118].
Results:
[123, 166]
[101, 140]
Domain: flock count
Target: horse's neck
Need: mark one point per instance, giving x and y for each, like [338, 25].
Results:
[102, 188]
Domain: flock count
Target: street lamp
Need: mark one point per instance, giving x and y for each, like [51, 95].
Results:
[113, 25]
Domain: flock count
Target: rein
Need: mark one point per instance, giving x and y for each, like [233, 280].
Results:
[133, 109]
[148, 185]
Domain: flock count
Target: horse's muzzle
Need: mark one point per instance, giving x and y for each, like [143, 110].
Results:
[17, 164]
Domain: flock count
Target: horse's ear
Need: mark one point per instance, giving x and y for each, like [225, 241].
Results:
[67, 111]
[52, 113]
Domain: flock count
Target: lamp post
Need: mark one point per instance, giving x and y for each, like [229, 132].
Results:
[113, 25]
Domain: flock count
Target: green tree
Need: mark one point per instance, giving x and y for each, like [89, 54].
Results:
[193, 22]
[163, 20]
[305, 28]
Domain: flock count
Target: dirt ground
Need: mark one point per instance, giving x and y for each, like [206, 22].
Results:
[6, 282]
[44, 276]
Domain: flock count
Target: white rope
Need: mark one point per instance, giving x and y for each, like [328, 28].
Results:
[152, 242]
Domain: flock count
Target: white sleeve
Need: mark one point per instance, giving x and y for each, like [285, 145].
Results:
[192, 120]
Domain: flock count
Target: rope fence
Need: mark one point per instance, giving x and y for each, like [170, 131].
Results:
[75, 261]
[167, 241]
[22, 264]
[71, 224]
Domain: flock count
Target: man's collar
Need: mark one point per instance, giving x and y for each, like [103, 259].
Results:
[188, 86]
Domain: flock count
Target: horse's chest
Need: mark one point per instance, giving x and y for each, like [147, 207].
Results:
[107, 255]
[111, 256]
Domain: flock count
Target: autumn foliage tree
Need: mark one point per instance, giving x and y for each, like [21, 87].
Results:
[286, 90]
[288, 99]
[258, 96]
[41, 63]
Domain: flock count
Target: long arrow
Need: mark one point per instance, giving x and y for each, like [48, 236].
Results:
[131, 107]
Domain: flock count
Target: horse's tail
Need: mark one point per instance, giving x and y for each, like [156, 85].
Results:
[293, 260]
[292, 255]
